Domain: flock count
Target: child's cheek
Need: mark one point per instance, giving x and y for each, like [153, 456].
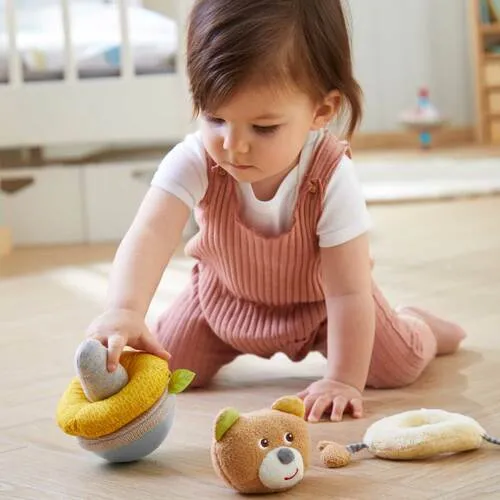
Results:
[212, 141]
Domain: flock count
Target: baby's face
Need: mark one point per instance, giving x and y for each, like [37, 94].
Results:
[258, 135]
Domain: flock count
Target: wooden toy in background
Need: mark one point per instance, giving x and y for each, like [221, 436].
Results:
[424, 118]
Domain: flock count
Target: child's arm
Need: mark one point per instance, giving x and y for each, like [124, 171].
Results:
[137, 269]
[351, 328]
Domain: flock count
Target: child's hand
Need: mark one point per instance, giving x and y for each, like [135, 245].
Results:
[117, 328]
[336, 397]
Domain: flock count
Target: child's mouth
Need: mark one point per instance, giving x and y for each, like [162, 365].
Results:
[240, 167]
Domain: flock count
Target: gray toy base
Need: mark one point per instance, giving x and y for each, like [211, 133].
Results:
[145, 445]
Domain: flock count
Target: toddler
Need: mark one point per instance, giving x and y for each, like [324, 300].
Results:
[282, 253]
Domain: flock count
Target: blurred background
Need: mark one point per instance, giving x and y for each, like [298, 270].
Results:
[93, 94]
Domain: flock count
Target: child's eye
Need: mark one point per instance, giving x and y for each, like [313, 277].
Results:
[266, 130]
[214, 120]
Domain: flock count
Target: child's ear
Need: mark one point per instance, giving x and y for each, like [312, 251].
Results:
[327, 109]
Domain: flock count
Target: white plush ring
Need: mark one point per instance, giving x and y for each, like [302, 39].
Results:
[423, 433]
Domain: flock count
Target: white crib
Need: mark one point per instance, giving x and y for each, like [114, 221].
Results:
[53, 98]
[75, 85]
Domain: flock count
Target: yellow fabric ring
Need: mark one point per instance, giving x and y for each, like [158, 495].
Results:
[148, 379]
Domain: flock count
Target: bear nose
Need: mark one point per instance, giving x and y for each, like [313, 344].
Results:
[285, 456]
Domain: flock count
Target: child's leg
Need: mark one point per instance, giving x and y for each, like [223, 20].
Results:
[403, 346]
[448, 335]
[183, 331]
[406, 340]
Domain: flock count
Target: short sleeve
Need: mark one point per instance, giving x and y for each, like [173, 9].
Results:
[183, 171]
[345, 214]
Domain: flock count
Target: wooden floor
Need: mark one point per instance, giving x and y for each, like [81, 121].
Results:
[442, 256]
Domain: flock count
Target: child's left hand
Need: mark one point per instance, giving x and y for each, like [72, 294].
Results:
[326, 394]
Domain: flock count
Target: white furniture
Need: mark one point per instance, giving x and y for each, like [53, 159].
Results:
[86, 72]
[43, 206]
[111, 196]
[91, 72]
[74, 204]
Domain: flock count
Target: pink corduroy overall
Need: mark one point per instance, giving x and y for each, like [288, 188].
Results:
[258, 294]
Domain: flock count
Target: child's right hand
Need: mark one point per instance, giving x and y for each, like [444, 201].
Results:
[116, 328]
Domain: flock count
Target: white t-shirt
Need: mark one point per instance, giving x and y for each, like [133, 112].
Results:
[183, 173]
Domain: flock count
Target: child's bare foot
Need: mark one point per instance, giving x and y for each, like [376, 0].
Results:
[448, 334]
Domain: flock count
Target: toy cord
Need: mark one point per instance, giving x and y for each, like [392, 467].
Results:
[354, 448]
[491, 439]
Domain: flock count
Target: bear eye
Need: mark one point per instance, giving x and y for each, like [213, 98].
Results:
[264, 443]
[289, 437]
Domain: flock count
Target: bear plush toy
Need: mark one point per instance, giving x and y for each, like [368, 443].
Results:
[262, 451]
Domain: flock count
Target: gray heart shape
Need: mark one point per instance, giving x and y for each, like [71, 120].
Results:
[91, 366]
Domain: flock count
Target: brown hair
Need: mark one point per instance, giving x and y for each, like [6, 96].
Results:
[300, 42]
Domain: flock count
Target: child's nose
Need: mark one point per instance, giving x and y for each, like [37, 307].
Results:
[234, 142]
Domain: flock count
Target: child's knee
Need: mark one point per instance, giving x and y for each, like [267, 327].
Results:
[203, 374]
[204, 365]
[193, 346]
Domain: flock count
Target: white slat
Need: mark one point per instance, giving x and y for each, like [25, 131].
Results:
[127, 63]
[183, 8]
[70, 66]
[15, 69]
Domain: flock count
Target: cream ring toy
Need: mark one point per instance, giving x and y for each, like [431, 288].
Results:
[411, 435]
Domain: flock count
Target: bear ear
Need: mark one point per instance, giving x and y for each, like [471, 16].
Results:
[290, 404]
[224, 421]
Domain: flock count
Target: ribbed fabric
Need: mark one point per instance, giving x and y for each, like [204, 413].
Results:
[404, 346]
[257, 294]
[263, 294]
